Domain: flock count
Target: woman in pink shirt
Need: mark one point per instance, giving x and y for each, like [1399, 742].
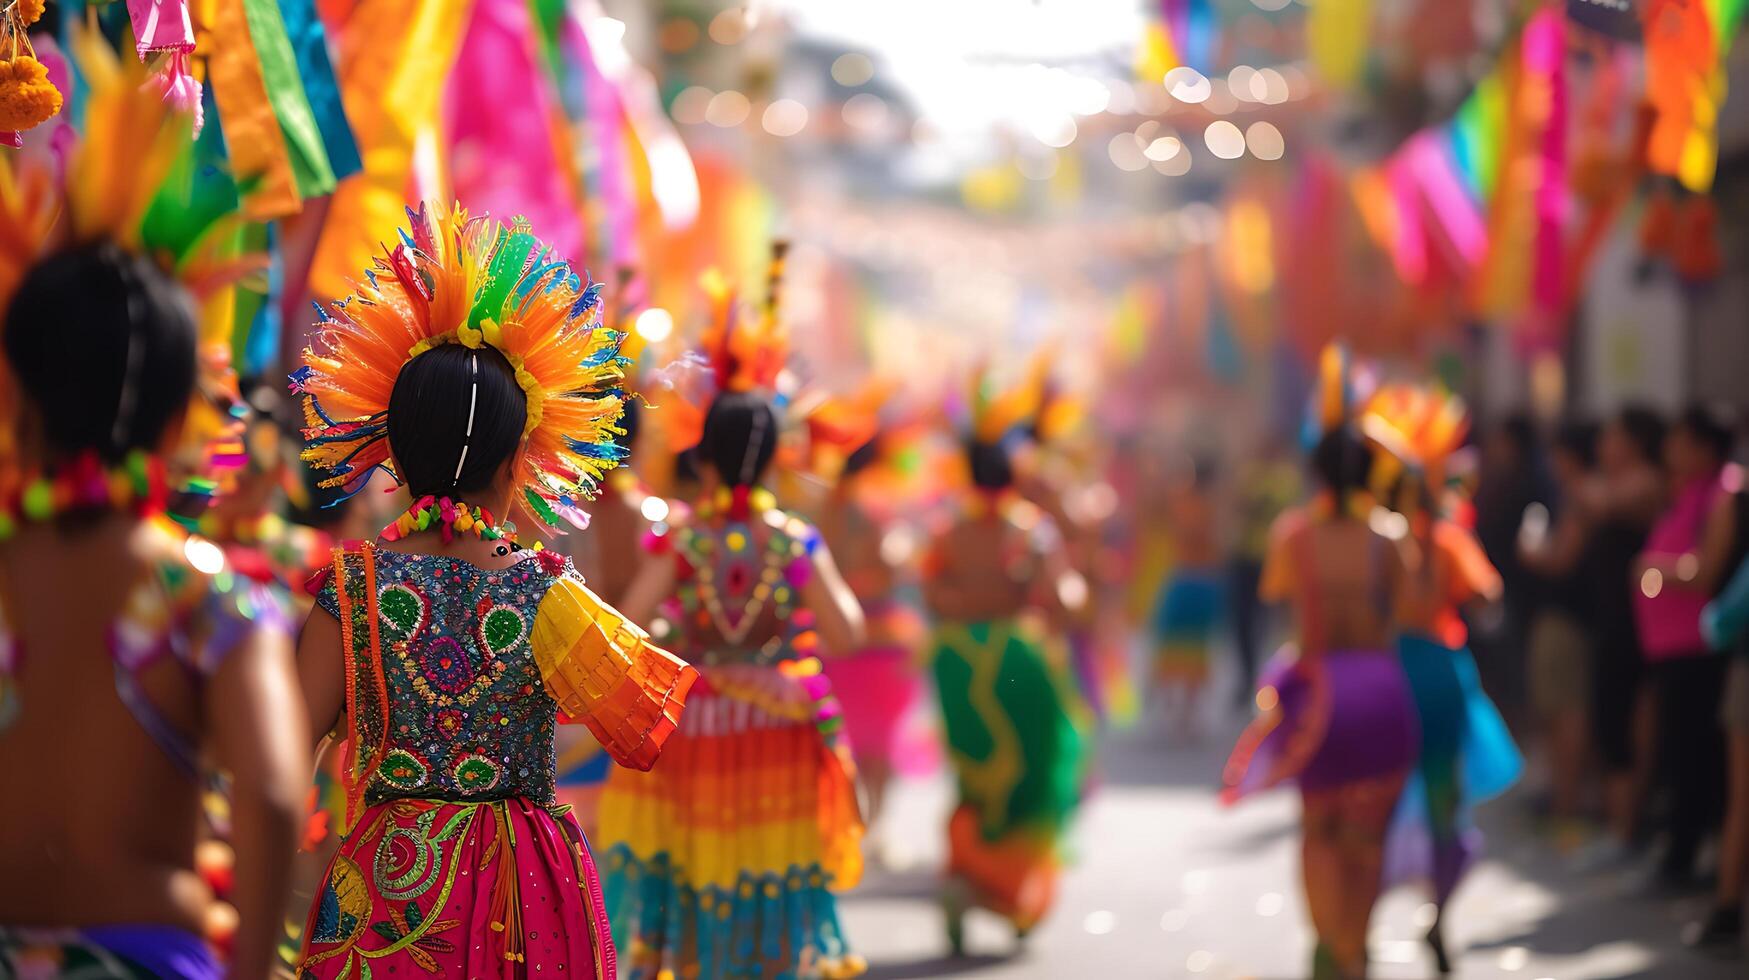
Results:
[1683, 564]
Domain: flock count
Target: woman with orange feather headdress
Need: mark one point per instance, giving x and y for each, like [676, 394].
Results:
[1467, 755]
[132, 659]
[999, 584]
[724, 861]
[471, 365]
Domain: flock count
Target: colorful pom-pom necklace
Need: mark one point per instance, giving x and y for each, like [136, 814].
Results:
[450, 517]
[84, 484]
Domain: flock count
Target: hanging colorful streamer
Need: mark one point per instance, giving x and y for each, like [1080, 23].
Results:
[1686, 43]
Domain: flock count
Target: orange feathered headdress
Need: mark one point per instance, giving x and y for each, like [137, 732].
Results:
[745, 356]
[838, 426]
[452, 279]
[1419, 426]
[998, 411]
[739, 352]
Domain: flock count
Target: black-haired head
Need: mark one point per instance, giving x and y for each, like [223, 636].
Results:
[429, 409]
[1341, 462]
[629, 422]
[1713, 426]
[102, 343]
[739, 439]
[1645, 430]
[862, 457]
[1576, 440]
[992, 464]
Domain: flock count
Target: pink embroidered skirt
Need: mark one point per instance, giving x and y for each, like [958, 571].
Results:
[434, 887]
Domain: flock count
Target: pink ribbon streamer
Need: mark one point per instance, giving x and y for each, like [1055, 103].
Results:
[502, 140]
[1409, 245]
[1544, 61]
[1436, 172]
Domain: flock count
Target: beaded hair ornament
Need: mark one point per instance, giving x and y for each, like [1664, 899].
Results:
[456, 279]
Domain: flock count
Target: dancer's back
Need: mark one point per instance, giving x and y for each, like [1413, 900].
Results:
[132, 664]
[1339, 576]
[107, 806]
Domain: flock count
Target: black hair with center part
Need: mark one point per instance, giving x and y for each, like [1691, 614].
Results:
[992, 464]
[1341, 461]
[103, 344]
[740, 437]
[428, 419]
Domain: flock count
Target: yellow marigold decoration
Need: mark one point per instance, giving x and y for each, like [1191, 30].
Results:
[29, 11]
[26, 97]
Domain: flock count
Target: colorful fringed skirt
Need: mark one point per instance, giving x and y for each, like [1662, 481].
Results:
[1467, 756]
[1016, 737]
[1189, 612]
[438, 888]
[723, 859]
[1325, 722]
[879, 686]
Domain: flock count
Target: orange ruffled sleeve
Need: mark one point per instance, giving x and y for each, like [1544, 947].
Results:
[606, 674]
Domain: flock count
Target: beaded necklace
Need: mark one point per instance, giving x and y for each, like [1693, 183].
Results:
[85, 484]
[738, 503]
[452, 517]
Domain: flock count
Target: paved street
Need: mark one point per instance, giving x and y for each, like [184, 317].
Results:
[1168, 884]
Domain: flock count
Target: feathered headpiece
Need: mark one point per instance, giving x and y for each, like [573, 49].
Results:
[452, 279]
[1418, 426]
[839, 426]
[132, 178]
[746, 356]
[737, 351]
[997, 411]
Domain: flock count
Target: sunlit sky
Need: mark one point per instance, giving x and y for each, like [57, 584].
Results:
[970, 64]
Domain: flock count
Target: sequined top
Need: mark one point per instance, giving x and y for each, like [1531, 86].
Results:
[736, 602]
[473, 666]
[176, 613]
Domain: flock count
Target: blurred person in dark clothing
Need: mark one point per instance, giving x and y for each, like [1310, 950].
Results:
[1553, 547]
[1512, 478]
[1691, 550]
[1725, 625]
[1267, 486]
[1618, 504]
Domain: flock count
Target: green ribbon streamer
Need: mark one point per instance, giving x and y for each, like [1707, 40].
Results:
[285, 91]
